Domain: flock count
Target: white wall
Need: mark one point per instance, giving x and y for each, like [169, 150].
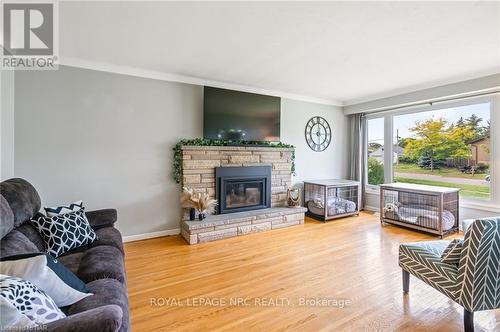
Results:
[107, 139]
[310, 165]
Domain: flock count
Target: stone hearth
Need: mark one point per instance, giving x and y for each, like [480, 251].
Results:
[217, 227]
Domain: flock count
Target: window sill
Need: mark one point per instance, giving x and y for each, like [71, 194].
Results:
[474, 205]
[372, 190]
[490, 207]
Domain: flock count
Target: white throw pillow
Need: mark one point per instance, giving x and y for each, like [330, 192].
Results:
[13, 319]
[58, 210]
[29, 300]
[35, 270]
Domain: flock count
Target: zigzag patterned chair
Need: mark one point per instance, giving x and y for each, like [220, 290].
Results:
[474, 283]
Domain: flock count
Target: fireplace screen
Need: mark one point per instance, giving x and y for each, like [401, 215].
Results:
[242, 188]
[243, 194]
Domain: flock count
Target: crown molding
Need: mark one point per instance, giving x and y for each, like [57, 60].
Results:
[169, 77]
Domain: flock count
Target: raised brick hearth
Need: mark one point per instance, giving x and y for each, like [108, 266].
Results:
[217, 227]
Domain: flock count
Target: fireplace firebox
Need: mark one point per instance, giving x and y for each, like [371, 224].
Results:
[242, 188]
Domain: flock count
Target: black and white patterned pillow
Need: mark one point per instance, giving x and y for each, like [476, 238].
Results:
[29, 300]
[65, 232]
[453, 251]
[57, 210]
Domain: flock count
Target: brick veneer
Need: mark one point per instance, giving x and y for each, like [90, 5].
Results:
[199, 162]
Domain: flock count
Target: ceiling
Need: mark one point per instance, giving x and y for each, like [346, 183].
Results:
[341, 52]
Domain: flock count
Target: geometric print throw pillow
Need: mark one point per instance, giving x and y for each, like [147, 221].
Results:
[57, 210]
[65, 232]
[29, 300]
[451, 254]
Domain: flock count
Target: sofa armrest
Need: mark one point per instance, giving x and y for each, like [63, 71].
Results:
[101, 218]
[107, 318]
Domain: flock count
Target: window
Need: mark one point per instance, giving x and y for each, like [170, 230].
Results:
[446, 146]
[375, 150]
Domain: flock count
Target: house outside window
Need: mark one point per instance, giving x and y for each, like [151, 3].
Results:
[448, 146]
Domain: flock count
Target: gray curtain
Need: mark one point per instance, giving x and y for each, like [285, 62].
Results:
[357, 157]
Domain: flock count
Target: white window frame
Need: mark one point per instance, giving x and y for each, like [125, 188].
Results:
[493, 203]
[372, 188]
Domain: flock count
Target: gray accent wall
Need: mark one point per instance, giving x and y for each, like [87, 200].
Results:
[107, 139]
[328, 164]
[104, 138]
[6, 124]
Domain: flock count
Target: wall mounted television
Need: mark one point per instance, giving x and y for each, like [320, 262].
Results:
[236, 115]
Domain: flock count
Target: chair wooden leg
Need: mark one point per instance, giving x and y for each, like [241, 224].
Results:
[468, 321]
[406, 281]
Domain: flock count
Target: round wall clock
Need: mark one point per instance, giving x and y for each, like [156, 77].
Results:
[318, 134]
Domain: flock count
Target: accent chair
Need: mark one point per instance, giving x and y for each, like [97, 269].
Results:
[474, 283]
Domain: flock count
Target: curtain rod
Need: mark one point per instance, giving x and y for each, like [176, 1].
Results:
[431, 102]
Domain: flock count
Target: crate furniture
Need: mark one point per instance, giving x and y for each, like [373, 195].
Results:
[473, 281]
[330, 199]
[426, 208]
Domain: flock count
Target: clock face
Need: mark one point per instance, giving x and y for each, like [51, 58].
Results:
[318, 134]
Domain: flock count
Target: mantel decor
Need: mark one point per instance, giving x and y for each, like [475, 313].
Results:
[177, 163]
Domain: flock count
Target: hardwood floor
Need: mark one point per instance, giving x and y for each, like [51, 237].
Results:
[351, 259]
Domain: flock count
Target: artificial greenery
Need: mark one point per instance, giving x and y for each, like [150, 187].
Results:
[177, 169]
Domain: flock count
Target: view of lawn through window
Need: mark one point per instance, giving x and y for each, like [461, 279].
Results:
[447, 147]
[375, 134]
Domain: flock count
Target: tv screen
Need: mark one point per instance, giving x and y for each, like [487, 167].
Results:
[236, 115]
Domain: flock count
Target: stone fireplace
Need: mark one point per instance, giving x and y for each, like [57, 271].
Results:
[250, 184]
[199, 165]
[242, 188]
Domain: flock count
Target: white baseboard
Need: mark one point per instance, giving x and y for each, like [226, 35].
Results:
[371, 208]
[152, 235]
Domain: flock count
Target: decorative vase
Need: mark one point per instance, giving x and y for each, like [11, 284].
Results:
[192, 214]
[201, 216]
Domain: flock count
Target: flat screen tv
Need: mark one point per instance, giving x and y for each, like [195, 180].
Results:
[235, 115]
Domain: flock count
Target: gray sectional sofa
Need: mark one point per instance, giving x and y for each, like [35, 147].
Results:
[100, 265]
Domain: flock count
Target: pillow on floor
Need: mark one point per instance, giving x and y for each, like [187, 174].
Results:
[29, 300]
[65, 232]
[451, 254]
[48, 274]
[55, 211]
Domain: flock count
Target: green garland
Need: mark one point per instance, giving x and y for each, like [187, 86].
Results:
[177, 169]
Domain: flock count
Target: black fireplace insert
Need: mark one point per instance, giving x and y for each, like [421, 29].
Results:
[242, 188]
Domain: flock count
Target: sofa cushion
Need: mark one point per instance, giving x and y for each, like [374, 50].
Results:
[109, 236]
[106, 291]
[6, 217]
[102, 262]
[16, 243]
[22, 198]
[71, 261]
[102, 218]
[32, 234]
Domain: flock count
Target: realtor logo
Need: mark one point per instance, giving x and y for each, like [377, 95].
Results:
[29, 35]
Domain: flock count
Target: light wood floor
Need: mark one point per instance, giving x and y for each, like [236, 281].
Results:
[351, 259]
